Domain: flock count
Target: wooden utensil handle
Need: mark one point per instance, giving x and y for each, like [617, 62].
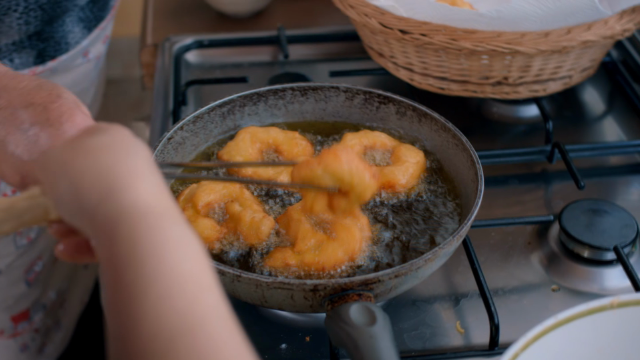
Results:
[30, 208]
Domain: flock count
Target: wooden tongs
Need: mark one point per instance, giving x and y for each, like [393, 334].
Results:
[32, 207]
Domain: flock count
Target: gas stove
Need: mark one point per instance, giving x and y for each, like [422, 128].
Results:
[558, 224]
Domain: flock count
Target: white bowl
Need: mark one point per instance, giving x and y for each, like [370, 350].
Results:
[238, 8]
[606, 328]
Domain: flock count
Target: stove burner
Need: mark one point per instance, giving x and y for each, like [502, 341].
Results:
[306, 320]
[591, 229]
[573, 272]
[288, 78]
[518, 111]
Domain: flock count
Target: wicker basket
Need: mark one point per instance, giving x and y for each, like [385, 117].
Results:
[494, 64]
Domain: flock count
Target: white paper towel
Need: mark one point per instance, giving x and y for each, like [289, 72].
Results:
[508, 15]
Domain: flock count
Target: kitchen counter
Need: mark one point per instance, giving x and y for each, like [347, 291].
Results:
[164, 18]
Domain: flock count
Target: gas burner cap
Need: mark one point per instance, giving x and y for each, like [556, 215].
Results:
[512, 111]
[592, 228]
[288, 78]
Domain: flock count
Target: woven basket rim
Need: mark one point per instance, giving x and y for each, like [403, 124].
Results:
[481, 63]
[376, 19]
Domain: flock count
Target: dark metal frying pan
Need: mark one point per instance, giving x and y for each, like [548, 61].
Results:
[353, 320]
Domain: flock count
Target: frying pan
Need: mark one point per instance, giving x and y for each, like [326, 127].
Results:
[353, 320]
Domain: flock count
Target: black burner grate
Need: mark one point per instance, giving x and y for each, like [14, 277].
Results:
[549, 151]
[494, 324]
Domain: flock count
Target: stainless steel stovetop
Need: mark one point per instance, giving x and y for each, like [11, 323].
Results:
[529, 275]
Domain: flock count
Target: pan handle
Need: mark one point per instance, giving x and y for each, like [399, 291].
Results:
[361, 328]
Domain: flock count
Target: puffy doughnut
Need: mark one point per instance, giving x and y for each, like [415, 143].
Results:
[217, 209]
[327, 230]
[399, 165]
[266, 144]
[339, 167]
[320, 243]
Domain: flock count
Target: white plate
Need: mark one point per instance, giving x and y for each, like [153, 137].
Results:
[607, 328]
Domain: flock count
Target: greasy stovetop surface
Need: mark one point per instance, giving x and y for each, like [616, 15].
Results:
[424, 318]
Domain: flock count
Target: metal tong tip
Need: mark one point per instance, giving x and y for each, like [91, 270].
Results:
[248, 181]
[229, 165]
[226, 164]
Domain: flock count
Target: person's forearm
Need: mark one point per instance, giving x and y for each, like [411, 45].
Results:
[161, 296]
[155, 307]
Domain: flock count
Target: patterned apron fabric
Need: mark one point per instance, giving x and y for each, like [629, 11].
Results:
[41, 298]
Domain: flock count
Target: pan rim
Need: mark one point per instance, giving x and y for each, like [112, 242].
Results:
[462, 228]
